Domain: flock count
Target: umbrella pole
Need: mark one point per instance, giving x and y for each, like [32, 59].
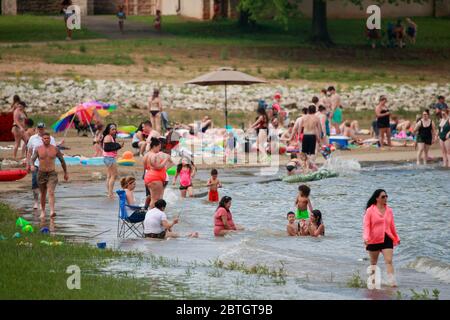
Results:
[226, 111]
[70, 124]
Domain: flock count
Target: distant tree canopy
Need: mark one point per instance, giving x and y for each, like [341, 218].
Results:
[252, 11]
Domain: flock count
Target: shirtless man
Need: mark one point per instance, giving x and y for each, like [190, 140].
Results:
[47, 176]
[322, 115]
[311, 132]
[336, 112]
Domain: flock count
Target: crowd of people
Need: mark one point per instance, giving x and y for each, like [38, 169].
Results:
[396, 35]
[322, 118]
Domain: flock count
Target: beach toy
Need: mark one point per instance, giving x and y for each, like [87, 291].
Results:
[314, 176]
[101, 245]
[127, 155]
[126, 162]
[28, 228]
[172, 171]
[21, 222]
[44, 230]
[123, 135]
[96, 161]
[127, 129]
[12, 175]
[70, 160]
[16, 235]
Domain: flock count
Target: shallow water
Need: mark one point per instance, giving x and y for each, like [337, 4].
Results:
[316, 268]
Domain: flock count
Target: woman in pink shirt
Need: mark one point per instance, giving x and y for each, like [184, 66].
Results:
[223, 220]
[379, 232]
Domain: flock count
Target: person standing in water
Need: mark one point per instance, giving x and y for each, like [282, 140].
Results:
[303, 203]
[379, 232]
[311, 128]
[383, 122]
[444, 137]
[47, 176]
[213, 184]
[426, 133]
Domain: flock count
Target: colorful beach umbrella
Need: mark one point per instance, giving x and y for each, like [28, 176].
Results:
[84, 112]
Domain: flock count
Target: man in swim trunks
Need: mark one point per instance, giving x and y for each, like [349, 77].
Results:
[47, 176]
[311, 128]
[336, 112]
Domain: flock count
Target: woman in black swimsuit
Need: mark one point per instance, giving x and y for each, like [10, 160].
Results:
[261, 126]
[426, 132]
[383, 123]
[155, 109]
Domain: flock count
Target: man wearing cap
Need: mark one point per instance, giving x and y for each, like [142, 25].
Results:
[34, 143]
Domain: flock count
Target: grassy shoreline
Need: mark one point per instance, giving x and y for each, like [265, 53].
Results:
[31, 270]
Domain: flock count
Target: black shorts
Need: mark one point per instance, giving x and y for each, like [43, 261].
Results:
[387, 244]
[185, 188]
[309, 144]
[290, 168]
[161, 235]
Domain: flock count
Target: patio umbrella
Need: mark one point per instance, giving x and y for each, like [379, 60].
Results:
[85, 112]
[225, 76]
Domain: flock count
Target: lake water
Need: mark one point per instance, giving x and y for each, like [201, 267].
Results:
[316, 268]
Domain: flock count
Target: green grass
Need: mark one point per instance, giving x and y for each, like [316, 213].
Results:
[158, 61]
[31, 270]
[24, 28]
[88, 59]
[345, 32]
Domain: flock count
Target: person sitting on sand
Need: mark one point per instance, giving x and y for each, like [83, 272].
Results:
[156, 225]
[315, 227]
[349, 132]
[223, 220]
[128, 184]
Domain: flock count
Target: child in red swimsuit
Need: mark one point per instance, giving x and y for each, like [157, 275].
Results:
[214, 184]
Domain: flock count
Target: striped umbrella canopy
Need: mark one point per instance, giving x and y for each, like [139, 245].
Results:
[85, 112]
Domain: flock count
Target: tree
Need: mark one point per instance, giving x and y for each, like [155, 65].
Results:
[283, 10]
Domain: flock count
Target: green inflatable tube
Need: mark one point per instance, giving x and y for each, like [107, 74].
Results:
[172, 171]
[318, 175]
[127, 129]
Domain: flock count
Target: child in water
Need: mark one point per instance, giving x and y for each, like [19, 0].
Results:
[306, 166]
[316, 228]
[303, 203]
[121, 16]
[214, 184]
[186, 171]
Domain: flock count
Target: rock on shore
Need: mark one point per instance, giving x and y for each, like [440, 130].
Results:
[57, 94]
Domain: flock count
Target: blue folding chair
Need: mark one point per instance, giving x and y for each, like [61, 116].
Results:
[125, 228]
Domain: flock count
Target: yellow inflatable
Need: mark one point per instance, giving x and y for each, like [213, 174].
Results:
[126, 162]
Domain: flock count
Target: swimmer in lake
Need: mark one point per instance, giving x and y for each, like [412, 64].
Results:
[303, 203]
[316, 228]
[292, 228]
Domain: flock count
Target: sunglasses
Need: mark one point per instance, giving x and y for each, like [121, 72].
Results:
[384, 197]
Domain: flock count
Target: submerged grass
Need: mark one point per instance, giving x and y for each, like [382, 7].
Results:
[31, 270]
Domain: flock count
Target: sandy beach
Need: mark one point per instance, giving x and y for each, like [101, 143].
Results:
[83, 146]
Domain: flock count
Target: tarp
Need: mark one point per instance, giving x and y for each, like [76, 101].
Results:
[6, 122]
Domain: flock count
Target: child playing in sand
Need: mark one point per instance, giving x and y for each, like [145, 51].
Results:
[303, 203]
[121, 16]
[186, 171]
[214, 184]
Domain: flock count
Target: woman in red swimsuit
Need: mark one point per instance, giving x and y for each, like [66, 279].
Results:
[155, 164]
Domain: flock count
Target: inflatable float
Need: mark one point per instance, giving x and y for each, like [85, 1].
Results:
[126, 162]
[96, 161]
[12, 175]
[318, 175]
[172, 171]
[127, 129]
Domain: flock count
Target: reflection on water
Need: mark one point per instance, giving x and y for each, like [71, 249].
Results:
[315, 268]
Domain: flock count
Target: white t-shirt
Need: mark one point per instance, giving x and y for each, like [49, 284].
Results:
[35, 142]
[153, 220]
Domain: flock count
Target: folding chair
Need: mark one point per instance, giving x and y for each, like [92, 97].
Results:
[125, 228]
